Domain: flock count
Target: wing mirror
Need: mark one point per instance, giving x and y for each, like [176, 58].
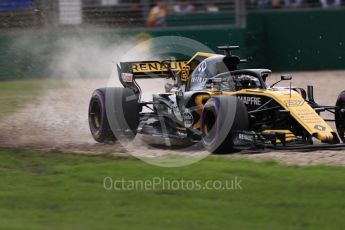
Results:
[283, 78]
[286, 78]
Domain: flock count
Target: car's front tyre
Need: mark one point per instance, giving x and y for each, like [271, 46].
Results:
[340, 116]
[221, 116]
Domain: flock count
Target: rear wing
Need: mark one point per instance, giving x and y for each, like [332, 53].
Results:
[180, 70]
[129, 72]
[151, 69]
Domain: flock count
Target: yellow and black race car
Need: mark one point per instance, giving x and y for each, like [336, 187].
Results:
[214, 102]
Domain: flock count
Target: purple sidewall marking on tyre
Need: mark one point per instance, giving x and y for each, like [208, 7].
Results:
[102, 108]
[214, 107]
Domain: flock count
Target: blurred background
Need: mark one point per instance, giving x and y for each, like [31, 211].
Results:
[277, 34]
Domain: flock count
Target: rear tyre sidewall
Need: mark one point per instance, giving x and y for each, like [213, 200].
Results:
[97, 117]
[123, 108]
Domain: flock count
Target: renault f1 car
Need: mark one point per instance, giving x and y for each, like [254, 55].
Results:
[214, 102]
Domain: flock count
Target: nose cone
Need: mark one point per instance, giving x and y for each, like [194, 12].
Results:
[324, 136]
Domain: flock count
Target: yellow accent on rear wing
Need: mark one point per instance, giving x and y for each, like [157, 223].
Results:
[152, 69]
[156, 69]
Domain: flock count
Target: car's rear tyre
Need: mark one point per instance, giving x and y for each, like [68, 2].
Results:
[123, 109]
[98, 120]
[221, 116]
[340, 116]
[113, 114]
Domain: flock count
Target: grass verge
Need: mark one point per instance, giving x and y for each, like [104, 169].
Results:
[64, 191]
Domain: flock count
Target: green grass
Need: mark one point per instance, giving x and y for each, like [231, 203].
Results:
[64, 191]
[15, 94]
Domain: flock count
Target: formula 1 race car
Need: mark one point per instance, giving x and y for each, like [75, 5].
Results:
[213, 102]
